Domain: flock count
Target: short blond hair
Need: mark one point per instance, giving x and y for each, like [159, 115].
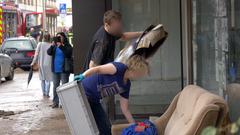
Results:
[137, 62]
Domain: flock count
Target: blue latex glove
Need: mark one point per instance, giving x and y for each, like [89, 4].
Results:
[79, 77]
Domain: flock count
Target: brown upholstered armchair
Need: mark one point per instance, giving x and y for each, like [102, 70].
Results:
[190, 112]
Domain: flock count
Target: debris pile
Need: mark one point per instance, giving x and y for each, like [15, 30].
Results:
[6, 113]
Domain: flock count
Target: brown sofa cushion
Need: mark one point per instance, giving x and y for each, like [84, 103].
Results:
[193, 105]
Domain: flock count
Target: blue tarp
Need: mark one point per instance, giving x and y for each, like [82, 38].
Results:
[142, 128]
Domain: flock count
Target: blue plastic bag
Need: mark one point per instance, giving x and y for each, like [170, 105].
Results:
[142, 128]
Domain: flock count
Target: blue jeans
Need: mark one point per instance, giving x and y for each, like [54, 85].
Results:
[100, 117]
[57, 78]
[45, 87]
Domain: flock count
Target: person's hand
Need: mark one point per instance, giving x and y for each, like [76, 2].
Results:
[79, 77]
[32, 64]
[59, 44]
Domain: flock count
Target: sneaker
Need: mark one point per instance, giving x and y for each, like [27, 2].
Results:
[46, 96]
[54, 105]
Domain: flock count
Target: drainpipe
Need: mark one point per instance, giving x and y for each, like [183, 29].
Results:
[36, 5]
[44, 15]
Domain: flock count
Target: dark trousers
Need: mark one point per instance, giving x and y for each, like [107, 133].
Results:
[57, 78]
[101, 119]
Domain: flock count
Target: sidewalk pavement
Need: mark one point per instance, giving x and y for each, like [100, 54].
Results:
[24, 111]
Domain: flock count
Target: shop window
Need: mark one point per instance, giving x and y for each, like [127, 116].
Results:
[205, 61]
[216, 44]
[234, 43]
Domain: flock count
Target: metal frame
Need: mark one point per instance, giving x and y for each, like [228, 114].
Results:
[186, 20]
[181, 48]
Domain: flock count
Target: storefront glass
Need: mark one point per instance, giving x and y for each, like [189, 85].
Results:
[234, 43]
[210, 44]
[216, 48]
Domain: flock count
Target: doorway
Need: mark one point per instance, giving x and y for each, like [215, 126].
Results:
[152, 95]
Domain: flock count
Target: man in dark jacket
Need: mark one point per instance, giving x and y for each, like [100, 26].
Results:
[103, 43]
[59, 52]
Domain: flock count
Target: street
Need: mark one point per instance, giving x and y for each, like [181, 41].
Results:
[24, 111]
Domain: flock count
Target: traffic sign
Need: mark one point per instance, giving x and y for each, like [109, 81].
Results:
[63, 8]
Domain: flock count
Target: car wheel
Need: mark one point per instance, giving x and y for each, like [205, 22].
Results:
[11, 75]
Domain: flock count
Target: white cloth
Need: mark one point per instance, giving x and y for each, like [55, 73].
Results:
[44, 61]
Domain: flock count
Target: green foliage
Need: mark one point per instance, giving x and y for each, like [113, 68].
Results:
[238, 122]
[209, 131]
[234, 128]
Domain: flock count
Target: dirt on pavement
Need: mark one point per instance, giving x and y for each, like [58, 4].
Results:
[24, 111]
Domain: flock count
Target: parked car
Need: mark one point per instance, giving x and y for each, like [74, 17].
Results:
[21, 50]
[6, 67]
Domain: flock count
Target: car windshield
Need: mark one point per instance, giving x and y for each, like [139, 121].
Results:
[18, 44]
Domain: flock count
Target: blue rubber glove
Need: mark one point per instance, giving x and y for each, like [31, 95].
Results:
[79, 77]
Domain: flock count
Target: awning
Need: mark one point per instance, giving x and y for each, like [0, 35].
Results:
[52, 11]
[10, 9]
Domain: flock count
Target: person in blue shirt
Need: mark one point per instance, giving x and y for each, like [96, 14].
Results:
[108, 80]
[60, 51]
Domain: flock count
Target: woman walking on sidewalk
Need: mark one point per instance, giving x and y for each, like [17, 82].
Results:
[44, 62]
[60, 51]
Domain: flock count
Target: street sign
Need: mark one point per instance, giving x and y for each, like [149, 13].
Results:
[63, 8]
[69, 10]
[63, 15]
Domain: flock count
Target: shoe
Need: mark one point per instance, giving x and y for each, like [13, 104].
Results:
[55, 105]
[46, 96]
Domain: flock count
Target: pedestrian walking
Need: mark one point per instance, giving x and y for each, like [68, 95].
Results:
[34, 33]
[60, 51]
[44, 62]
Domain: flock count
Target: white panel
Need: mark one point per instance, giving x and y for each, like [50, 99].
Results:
[77, 109]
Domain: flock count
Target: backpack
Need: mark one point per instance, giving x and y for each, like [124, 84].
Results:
[141, 128]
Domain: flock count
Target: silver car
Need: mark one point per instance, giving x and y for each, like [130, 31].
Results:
[6, 67]
[21, 50]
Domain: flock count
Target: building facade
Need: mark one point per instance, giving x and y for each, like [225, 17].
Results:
[37, 6]
[202, 47]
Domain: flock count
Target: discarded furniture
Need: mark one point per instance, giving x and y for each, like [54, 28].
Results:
[233, 94]
[192, 110]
